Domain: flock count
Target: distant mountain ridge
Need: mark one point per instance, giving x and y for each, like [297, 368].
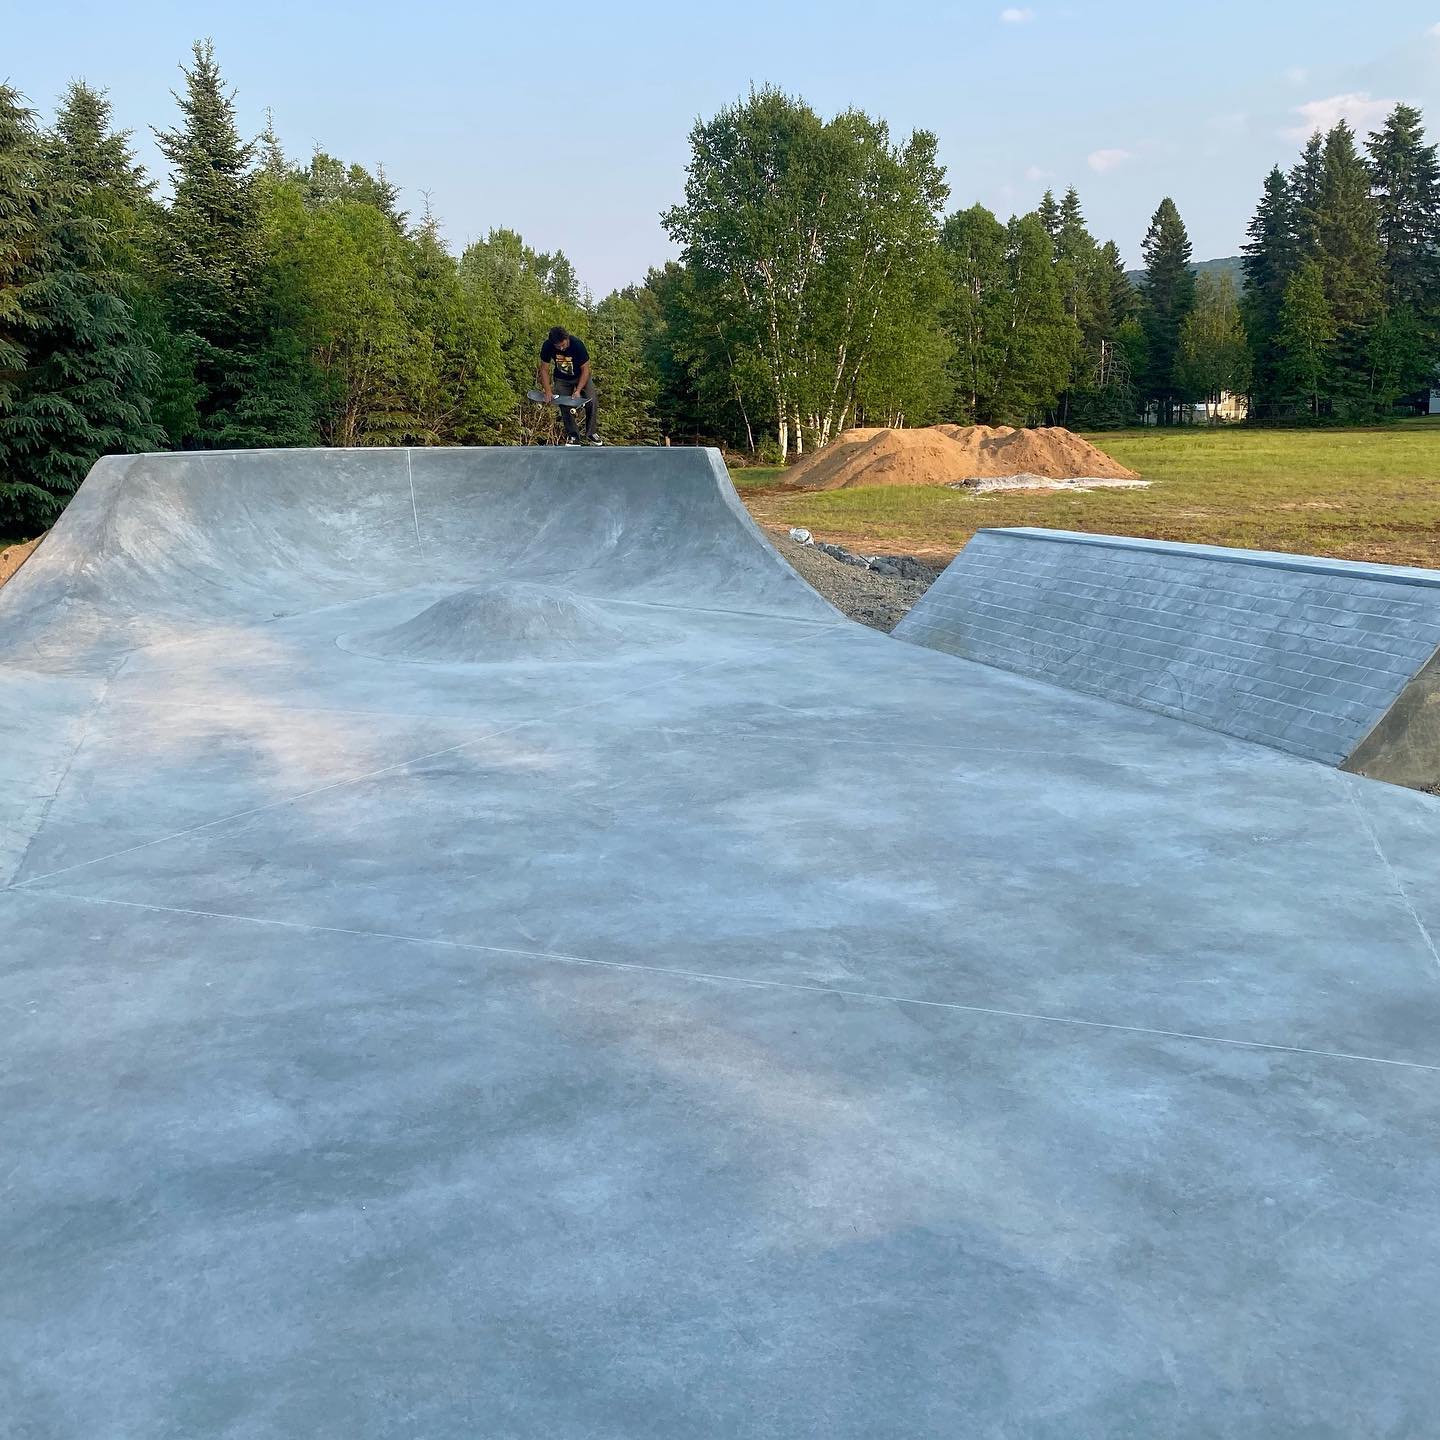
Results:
[1230, 265]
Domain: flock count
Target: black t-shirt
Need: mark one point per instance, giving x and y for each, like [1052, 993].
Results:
[566, 363]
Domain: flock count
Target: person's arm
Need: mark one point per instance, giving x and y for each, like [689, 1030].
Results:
[542, 375]
[584, 378]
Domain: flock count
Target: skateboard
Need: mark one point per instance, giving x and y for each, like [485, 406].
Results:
[565, 402]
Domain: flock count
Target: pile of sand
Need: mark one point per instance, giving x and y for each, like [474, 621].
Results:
[12, 557]
[953, 454]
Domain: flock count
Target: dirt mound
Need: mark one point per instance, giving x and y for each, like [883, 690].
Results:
[952, 454]
[12, 557]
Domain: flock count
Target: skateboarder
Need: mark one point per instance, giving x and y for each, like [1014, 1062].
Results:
[565, 355]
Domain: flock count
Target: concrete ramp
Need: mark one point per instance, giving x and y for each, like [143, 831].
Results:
[485, 950]
[1326, 659]
[156, 545]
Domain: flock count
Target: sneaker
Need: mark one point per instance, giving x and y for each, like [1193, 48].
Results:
[572, 442]
[594, 440]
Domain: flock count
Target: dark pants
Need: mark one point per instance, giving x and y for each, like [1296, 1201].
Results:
[564, 386]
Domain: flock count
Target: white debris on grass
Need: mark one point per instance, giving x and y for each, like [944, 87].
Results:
[982, 484]
[802, 536]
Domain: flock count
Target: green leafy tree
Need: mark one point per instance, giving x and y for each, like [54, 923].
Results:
[1401, 358]
[456, 374]
[630, 394]
[339, 284]
[528, 292]
[1307, 336]
[1014, 342]
[1167, 299]
[1214, 356]
[711, 384]
[801, 233]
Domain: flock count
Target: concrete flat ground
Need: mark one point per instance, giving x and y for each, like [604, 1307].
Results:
[768, 1029]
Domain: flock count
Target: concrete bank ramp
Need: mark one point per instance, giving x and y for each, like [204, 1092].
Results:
[1328, 659]
[154, 546]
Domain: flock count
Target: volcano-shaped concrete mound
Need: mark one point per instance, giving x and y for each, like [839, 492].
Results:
[509, 621]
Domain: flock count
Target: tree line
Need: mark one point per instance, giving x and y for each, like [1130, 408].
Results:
[820, 285]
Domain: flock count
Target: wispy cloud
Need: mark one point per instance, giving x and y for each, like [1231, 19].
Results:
[1101, 161]
[1014, 15]
[1359, 108]
[1034, 173]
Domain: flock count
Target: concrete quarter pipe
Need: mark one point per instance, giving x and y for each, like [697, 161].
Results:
[485, 950]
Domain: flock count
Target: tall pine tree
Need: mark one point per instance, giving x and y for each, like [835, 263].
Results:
[1347, 235]
[1271, 255]
[1168, 297]
[211, 243]
[1306, 178]
[1406, 177]
[74, 373]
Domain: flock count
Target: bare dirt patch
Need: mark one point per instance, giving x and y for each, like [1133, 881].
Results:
[953, 455]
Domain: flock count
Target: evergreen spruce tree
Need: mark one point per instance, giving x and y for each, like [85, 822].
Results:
[74, 374]
[111, 187]
[1080, 281]
[1049, 213]
[1167, 298]
[1406, 177]
[1270, 259]
[211, 245]
[1348, 249]
[1306, 178]
[1119, 298]
[26, 203]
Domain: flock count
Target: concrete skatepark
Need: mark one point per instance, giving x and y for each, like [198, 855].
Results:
[489, 952]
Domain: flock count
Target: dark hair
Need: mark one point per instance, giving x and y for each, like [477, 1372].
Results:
[558, 334]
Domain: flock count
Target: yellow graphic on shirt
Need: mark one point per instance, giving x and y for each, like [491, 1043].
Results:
[564, 364]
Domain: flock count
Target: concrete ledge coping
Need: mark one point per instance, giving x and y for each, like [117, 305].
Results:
[1269, 559]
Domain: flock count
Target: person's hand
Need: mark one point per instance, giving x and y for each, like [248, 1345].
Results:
[549, 396]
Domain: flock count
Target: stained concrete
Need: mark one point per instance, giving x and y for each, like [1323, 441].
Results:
[766, 1028]
[1404, 746]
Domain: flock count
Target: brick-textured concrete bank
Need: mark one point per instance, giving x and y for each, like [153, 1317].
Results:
[1328, 659]
[485, 951]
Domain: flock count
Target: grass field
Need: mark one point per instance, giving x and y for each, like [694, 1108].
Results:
[1356, 494]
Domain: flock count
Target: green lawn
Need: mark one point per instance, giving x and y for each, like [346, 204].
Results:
[1359, 494]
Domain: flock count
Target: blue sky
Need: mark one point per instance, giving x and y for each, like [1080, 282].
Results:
[570, 124]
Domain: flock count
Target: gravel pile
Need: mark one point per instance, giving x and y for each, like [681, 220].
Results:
[876, 591]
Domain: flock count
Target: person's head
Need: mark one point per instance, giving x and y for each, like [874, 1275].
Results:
[560, 338]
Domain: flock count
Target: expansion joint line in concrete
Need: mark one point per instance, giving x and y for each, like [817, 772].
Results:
[64, 775]
[399, 765]
[749, 982]
[1349, 783]
[414, 508]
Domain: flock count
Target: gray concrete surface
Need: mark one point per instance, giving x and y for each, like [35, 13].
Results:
[768, 1029]
[1305, 654]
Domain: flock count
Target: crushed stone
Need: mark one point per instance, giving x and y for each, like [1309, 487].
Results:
[876, 590]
